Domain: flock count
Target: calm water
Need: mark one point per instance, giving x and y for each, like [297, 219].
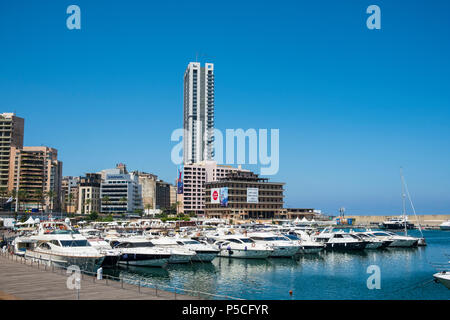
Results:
[405, 274]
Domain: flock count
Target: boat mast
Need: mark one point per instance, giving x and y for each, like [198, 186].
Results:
[403, 199]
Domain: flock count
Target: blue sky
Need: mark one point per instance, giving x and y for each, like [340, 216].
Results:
[352, 104]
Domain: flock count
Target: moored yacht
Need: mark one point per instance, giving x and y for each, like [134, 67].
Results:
[443, 277]
[57, 243]
[307, 244]
[141, 252]
[339, 240]
[282, 246]
[445, 225]
[203, 252]
[397, 240]
[178, 253]
[239, 246]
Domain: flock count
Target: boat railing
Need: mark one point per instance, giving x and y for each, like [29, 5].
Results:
[143, 286]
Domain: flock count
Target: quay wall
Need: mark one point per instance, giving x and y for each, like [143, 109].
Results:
[424, 219]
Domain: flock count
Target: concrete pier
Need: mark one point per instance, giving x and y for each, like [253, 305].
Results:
[20, 279]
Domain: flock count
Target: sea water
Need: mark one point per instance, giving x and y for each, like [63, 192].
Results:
[405, 273]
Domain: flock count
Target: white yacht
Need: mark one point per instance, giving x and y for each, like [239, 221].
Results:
[443, 277]
[282, 246]
[372, 241]
[141, 252]
[397, 240]
[307, 244]
[239, 246]
[339, 240]
[445, 225]
[57, 243]
[112, 256]
[178, 253]
[203, 252]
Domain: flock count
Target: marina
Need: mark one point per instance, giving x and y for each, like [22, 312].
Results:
[220, 261]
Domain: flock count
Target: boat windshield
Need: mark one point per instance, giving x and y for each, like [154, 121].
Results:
[75, 243]
[246, 240]
[189, 242]
[292, 237]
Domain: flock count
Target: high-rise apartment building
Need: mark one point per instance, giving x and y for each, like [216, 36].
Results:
[35, 174]
[198, 115]
[11, 135]
[69, 193]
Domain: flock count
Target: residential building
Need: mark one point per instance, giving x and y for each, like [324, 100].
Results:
[11, 135]
[147, 181]
[198, 115]
[35, 175]
[89, 193]
[69, 193]
[162, 194]
[120, 192]
[246, 196]
[195, 177]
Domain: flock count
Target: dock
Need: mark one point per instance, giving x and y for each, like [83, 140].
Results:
[23, 279]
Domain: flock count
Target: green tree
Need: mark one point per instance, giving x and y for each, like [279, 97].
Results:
[51, 197]
[93, 216]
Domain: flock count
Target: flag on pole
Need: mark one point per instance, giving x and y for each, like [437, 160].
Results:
[179, 183]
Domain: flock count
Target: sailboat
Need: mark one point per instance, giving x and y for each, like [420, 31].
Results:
[405, 192]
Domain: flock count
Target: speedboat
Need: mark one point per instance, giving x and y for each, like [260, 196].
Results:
[445, 225]
[282, 246]
[397, 240]
[339, 240]
[239, 246]
[203, 252]
[178, 253]
[57, 243]
[443, 277]
[141, 252]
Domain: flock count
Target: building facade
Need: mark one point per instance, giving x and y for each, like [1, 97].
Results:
[120, 192]
[69, 194]
[89, 193]
[195, 177]
[147, 181]
[198, 113]
[11, 136]
[162, 194]
[247, 196]
[35, 176]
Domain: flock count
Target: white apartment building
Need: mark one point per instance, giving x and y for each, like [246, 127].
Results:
[120, 192]
[194, 178]
[198, 115]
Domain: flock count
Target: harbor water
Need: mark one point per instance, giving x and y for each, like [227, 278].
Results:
[404, 274]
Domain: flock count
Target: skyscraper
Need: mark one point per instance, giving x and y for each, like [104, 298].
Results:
[198, 115]
[11, 135]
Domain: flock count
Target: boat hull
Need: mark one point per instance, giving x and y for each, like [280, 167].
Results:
[345, 246]
[144, 260]
[443, 278]
[64, 261]
[245, 254]
[204, 256]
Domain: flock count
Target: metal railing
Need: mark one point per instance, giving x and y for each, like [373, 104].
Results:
[141, 285]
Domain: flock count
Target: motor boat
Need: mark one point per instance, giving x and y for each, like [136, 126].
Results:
[282, 246]
[445, 225]
[239, 246]
[203, 252]
[443, 277]
[339, 240]
[307, 244]
[397, 240]
[372, 241]
[398, 223]
[141, 252]
[178, 253]
[112, 256]
[57, 243]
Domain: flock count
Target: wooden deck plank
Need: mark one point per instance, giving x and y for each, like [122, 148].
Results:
[23, 281]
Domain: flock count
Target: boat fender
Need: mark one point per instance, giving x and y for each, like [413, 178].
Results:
[253, 244]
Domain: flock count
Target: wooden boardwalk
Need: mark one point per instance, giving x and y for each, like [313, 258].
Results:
[24, 281]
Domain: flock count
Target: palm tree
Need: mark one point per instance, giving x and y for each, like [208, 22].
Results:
[22, 195]
[105, 200]
[69, 200]
[148, 206]
[51, 196]
[88, 201]
[123, 201]
[40, 196]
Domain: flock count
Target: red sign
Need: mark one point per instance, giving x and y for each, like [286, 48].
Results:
[215, 195]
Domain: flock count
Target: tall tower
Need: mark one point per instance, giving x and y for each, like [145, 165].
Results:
[198, 115]
[11, 136]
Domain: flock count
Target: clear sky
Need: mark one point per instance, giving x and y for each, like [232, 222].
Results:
[352, 104]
